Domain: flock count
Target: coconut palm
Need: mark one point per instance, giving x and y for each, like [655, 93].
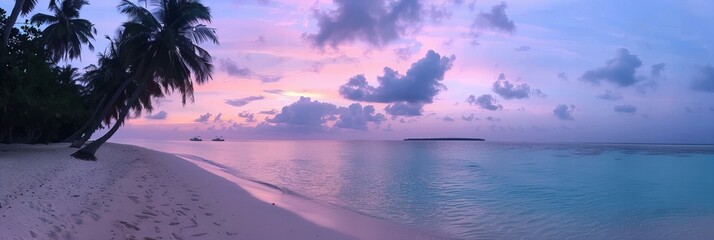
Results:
[111, 85]
[22, 7]
[162, 47]
[66, 32]
[106, 81]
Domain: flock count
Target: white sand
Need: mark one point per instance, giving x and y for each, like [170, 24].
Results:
[135, 193]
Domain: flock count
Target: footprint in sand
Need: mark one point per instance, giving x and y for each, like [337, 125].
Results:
[134, 199]
[129, 225]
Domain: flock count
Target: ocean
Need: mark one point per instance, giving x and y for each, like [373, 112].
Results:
[489, 190]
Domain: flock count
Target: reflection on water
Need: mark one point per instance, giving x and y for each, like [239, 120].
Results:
[482, 190]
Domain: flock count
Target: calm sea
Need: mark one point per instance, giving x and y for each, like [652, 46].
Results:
[485, 190]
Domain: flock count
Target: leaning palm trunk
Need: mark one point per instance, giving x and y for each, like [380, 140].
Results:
[97, 121]
[9, 24]
[11, 21]
[87, 153]
[82, 129]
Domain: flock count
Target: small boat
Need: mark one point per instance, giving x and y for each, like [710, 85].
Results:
[218, 139]
[196, 139]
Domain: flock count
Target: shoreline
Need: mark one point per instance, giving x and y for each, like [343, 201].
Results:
[134, 192]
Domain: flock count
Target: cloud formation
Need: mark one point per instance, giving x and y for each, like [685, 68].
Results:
[563, 76]
[218, 118]
[203, 118]
[356, 117]
[563, 112]
[493, 119]
[610, 95]
[539, 93]
[318, 66]
[419, 86]
[261, 39]
[656, 70]
[619, 70]
[468, 118]
[496, 20]
[438, 13]
[507, 90]
[274, 91]
[404, 53]
[523, 48]
[232, 68]
[158, 116]
[239, 102]
[269, 112]
[485, 101]
[447, 119]
[625, 108]
[404, 109]
[306, 115]
[249, 117]
[704, 81]
[375, 22]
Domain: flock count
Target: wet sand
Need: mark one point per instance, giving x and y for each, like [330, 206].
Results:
[136, 193]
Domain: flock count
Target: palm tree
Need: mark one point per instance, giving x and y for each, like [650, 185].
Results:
[68, 76]
[106, 82]
[111, 76]
[22, 7]
[66, 32]
[162, 47]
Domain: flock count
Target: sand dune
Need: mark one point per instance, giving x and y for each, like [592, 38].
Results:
[135, 193]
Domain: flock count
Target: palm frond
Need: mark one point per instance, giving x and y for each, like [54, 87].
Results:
[42, 19]
[201, 33]
[138, 14]
[28, 6]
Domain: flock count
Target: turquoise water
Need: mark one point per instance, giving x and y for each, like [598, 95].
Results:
[484, 190]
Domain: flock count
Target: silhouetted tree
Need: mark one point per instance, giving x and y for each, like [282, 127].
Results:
[21, 7]
[162, 47]
[66, 32]
[39, 102]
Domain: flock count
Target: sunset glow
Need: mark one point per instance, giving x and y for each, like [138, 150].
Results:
[625, 71]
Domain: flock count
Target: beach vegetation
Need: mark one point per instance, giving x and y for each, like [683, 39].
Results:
[40, 101]
[162, 52]
[154, 53]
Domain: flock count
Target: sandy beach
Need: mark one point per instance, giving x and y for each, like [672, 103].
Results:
[136, 193]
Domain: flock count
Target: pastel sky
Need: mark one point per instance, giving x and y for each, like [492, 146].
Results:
[529, 70]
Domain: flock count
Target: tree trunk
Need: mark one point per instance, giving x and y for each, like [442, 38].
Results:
[96, 122]
[88, 152]
[79, 133]
[82, 129]
[9, 24]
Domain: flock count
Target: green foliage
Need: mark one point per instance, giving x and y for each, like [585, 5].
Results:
[39, 101]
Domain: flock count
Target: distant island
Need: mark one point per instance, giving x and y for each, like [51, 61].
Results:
[444, 139]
